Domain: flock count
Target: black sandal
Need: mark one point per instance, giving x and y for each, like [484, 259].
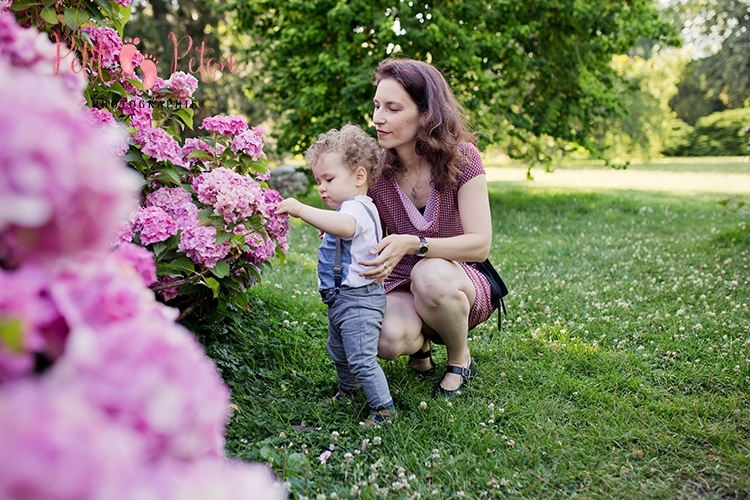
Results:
[423, 355]
[466, 374]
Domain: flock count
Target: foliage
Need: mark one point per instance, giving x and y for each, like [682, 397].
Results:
[102, 393]
[719, 134]
[720, 76]
[208, 245]
[620, 372]
[201, 31]
[521, 69]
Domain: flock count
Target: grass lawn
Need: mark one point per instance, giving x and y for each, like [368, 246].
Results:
[621, 371]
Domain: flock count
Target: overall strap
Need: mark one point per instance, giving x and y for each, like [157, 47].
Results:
[337, 269]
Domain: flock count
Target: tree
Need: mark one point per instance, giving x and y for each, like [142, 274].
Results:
[190, 27]
[719, 77]
[520, 68]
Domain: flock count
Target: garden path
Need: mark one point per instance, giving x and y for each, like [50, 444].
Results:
[641, 180]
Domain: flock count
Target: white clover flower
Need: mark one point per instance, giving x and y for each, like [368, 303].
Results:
[422, 405]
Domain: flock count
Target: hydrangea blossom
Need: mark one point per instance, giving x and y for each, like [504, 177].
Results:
[63, 194]
[141, 113]
[250, 142]
[183, 84]
[61, 447]
[262, 249]
[153, 225]
[235, 197]
[141, 259]
[199, 244]
[107, 45]
[158, 144]
[32, 50]
[193, 144]
[225, 125]
[177, 203]
[277, 225]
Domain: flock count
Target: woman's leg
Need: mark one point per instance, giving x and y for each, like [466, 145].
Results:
[442, 297]
[402, 326]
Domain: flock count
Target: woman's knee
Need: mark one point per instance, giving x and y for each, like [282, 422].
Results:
[433, 280]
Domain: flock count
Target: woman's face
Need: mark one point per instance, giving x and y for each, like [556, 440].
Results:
[396, 116]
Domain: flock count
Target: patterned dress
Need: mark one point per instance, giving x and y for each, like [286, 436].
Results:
[440, 220]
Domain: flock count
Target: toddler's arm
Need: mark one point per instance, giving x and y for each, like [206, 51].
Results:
[333, 223]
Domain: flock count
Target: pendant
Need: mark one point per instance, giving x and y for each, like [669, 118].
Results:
[413, 193]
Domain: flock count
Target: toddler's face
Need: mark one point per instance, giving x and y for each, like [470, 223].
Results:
[336, 183]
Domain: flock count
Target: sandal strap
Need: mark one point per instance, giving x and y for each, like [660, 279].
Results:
[466, 373]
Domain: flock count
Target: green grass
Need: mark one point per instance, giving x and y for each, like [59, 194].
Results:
[621, 371]
[723, 164]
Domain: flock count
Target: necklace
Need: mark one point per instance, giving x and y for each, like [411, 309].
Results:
[414, 186]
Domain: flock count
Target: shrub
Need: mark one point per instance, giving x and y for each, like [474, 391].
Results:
[719, 134]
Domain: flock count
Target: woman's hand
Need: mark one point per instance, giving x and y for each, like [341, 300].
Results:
[388, 253]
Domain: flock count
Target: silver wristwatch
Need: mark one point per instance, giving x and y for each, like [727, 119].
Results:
[423, 247]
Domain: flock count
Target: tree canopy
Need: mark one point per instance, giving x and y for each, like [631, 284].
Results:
[520, 67]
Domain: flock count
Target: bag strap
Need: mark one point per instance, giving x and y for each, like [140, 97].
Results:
[337, 268]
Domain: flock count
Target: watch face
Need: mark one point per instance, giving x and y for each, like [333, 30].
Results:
[422, 248]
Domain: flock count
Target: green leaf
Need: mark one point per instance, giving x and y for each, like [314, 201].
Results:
[49, 15]
[183, 264]
[222, 236]
[199, 153]
[169, 175]
[220, 270]
[11, 334]
[186, 115]
[19, 5]
[75, 18]
[213, 285]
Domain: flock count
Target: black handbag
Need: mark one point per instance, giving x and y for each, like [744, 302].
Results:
[497, 285]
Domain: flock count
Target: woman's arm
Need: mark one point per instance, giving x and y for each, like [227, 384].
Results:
[472, 246]
[328, 221]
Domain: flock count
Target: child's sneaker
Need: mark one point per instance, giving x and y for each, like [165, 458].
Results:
[342, 395]
[377, 418]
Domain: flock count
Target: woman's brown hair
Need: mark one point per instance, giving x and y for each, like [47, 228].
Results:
[442, 123]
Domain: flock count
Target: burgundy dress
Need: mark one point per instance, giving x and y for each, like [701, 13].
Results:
[440, 220]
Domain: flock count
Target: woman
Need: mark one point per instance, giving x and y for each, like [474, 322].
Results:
[433, 200]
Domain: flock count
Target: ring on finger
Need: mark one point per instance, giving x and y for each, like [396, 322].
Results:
[386, 267]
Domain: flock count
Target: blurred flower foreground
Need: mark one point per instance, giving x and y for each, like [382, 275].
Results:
[103, 395]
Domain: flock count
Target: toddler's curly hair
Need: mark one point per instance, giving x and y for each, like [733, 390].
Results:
[357, 148]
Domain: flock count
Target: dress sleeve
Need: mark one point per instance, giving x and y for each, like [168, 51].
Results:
[474, 166]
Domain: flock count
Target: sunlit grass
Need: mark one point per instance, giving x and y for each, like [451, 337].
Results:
[621, 371]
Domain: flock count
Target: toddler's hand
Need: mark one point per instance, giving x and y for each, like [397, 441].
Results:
[289, 206]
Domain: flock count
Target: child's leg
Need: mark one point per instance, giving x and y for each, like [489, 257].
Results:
[347, 381]
[360, 318]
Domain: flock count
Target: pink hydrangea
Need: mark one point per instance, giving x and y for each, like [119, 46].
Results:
[183, 84]
[250, 142]
[168, 293]
[5, 5]
[100, 117]
[178, 204]
[62, 190]
[157, 143]
[235, 197]
[152, 376]
[277, 226]
[193, 144]
[140, 258]
[57, 446]
[28, 48]
[123, 3]
[140, 111]
[262, 249]
[212, 480]
[225, 125]
[106, 45]
[199, 244]
[27, 316]
[153, 225]
[101, 290]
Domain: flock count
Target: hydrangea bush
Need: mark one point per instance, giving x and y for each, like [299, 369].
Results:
[206, 210]
[103, 395]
